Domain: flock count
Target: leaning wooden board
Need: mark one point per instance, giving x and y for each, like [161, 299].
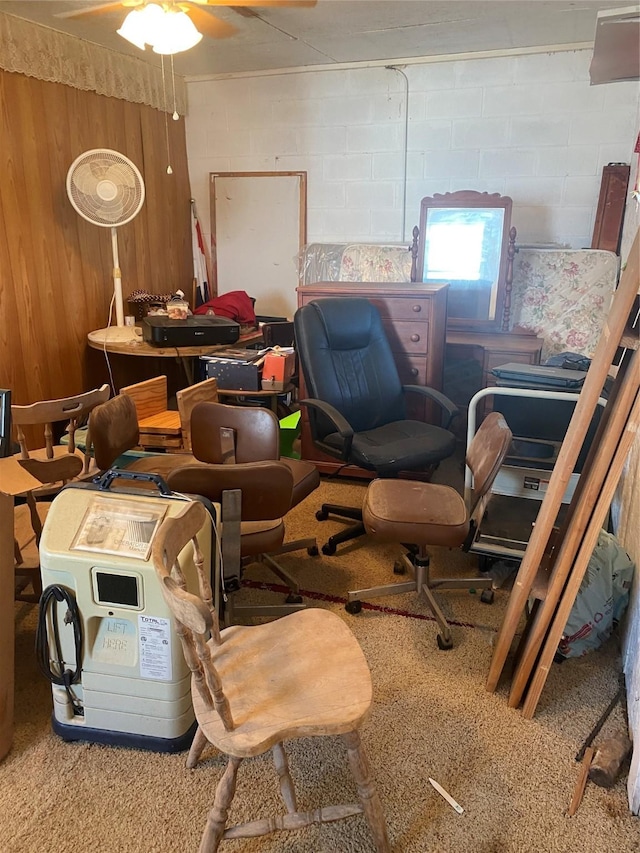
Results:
[581, 562]
[593, 476]
[585, 407]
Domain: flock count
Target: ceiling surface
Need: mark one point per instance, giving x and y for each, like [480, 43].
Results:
[339, 31]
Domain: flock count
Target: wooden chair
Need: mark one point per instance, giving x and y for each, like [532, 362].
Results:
[187, 398]
[159, 426]
[41, 417]
[254, 687]
[29, 518]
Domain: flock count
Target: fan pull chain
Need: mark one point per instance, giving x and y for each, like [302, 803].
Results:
[166, 119]
[173, 83]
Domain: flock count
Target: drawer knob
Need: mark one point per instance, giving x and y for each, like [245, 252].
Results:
[414, 371]
[415, 338]
[417, 308]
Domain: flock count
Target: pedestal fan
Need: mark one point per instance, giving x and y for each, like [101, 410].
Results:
[107, 189]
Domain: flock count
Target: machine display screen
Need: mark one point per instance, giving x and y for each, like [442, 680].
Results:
[117, 589]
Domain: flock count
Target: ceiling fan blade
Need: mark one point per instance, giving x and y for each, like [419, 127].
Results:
[208, 24]
[87, 11]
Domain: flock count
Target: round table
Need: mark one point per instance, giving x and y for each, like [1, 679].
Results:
[184, 355]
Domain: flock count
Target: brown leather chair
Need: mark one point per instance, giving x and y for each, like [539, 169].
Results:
[223, 434]
[113, 430]
[423, 514]
[264, 490]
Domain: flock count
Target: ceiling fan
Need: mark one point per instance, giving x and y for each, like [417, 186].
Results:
[206, 23]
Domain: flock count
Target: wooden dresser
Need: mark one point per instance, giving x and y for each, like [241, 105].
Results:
[414, 317]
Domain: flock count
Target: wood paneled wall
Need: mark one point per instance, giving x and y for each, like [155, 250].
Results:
[55, 268]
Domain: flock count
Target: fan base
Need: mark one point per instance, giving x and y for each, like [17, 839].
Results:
[115, 335]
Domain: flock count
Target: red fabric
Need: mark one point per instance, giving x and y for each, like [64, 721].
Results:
[236, 305]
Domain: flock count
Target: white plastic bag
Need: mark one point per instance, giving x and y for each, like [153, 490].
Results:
[602, 599]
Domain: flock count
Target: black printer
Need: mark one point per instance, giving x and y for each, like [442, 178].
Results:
[195, 331]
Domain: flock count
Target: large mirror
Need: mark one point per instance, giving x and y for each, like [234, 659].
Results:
[465, 238]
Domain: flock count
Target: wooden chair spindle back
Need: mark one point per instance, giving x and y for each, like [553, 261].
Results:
[194, 615]
[45, 413]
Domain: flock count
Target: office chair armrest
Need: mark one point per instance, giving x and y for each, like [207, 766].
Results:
[340, 423]
[438, 397]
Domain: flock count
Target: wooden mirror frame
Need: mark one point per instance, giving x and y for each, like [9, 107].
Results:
[475, 200]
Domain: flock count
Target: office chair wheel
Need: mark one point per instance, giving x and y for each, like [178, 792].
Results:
[399, 568]
[313, 551]
[353, 607]
[444, 645]
[292, 598]
[322, 515]
[487, 596]
[329, 548]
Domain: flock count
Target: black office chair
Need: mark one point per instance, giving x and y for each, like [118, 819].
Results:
[357, 403]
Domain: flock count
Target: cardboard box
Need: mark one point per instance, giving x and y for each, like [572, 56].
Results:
[232, 374]
[278, 368]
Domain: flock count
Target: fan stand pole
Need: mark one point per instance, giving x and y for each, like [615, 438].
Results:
[117, 279]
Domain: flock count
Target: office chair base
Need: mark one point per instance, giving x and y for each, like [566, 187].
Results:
[352, 532]
[310, 544]
[291, 604]
[418, 566]
[337, 509]
[293, 601]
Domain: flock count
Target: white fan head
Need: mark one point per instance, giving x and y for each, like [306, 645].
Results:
[105, 187]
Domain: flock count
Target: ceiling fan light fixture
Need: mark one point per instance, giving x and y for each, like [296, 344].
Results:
[167, 30]
[133, 28]
[178, 33]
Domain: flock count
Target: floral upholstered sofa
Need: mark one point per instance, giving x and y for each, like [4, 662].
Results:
[563, 295]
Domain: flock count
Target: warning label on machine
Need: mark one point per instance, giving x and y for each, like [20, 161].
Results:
[154, 637]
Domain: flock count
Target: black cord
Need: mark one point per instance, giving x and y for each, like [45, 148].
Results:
[63, 677]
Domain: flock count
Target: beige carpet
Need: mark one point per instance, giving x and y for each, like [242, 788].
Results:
[431, 717]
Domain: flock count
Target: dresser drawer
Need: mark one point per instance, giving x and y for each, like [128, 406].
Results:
[402, 309]
[411, 370]
[412, 338]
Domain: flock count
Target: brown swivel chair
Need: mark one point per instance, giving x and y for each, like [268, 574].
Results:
[302, 676]
[264, 491]
[224, 434]
[113, 430]
[423, 514]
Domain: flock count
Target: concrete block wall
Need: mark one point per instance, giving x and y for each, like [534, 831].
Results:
[528, 126]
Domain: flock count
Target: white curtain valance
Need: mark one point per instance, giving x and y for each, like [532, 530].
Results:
[36, 51]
